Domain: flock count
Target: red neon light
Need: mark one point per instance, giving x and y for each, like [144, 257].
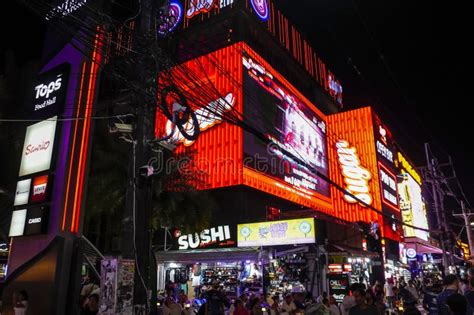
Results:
[66, 201]
[356, 127]
[85, 138]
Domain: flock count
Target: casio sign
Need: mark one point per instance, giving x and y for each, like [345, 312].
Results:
[34, 220]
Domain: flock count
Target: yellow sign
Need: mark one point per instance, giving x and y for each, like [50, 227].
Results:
[409, 168]
[297, 231]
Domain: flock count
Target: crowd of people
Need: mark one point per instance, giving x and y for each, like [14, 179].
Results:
[450, 296]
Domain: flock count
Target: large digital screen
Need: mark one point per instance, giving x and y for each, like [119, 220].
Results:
[38, 147]
[297, 231]
[413, 208]
[293, 128]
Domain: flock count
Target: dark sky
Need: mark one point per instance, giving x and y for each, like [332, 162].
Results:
[410, 57]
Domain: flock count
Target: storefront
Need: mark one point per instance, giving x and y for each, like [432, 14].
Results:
[424, 258]
[266, 259]
[349, 263]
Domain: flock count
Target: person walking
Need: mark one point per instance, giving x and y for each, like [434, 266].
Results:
[361, 307]
[451, 286]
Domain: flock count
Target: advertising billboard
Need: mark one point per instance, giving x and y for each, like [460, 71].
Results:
[40, 185]
[214, 86]
[38, 147]
[294, 129]
[338, 285]
[353, 165]
[412, 205]
[22, 192]
[297, 231]
[17, 225]
[36, 221]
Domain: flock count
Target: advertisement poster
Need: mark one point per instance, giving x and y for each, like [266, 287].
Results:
[338, 285]
[125, 286]
[297, 231]
[38, 147]
[108, 285]
[413, 208]
[295, 131]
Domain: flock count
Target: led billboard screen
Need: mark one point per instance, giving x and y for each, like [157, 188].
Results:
[293, 128]
[412, 206]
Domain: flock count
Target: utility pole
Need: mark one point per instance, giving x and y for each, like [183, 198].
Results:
[436, 202]
[467, 226]
[136, 236]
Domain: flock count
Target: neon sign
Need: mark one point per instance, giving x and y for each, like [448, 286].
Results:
[261, 8]
[172, 19]
[355, 175]
[199, 6]
[407, 166]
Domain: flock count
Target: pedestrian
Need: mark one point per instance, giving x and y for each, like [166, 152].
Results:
[361, 307]
[348, 301]
[319, 308]
[20, 302]
[388, 289]
[239, 308]
[413, 290]
[92, 306]
[429, 298]
[451, 286]
[333, 308]
[256, 307]
[288, 306]
[216, 302]
[470, 293]
[275, 307]
[457, 305]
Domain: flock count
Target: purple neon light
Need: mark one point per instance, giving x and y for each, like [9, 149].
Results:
[175, 16]
[261, 8]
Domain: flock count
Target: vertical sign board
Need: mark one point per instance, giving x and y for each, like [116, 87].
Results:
[386, 156]
[116, 286]
[45, 102]
[412, 205]
[338, 285]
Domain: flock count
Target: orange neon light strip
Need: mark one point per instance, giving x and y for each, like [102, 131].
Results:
[66, 201]
[88, 122]
[80, 177]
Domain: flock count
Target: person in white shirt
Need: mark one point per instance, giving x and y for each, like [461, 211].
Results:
[333, 308]
[288, 306]
[388, 288]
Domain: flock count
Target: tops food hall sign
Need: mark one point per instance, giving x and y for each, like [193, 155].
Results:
[49, 92]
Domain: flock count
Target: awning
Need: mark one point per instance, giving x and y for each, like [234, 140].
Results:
[338, 250]
[210, 255]
[421, 246]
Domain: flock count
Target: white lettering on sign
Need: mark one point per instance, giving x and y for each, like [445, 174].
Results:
[207, 117]
[43, 90]
[35, 220]
[355, 175]
[388, 180]
[65, 8]
[225, 3]
[384, 151]
[206, 237]
[39, 189]
[198, 6]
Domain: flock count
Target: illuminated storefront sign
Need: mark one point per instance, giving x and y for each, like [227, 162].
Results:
[260, 7]
[411, 253]
[388, 186]
[338, 286]
[65, 8]
[298, 231]
[355, 175]
[216, 237]
[36, 221]
[38, 147]
[22, 192]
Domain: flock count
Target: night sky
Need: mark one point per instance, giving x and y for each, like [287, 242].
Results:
[405, 58]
